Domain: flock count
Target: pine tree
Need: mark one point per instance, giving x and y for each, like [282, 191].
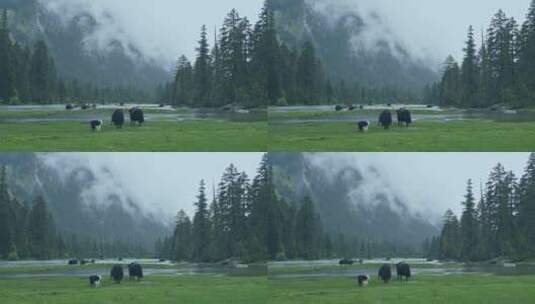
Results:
[201, 227]
[7, 80]
[450, 238]
[39, 229]
[182, 237]
[451, 83]
[469, 226]
[527, 207]
[183, 86]
[40, 70]
[469, 71]
[203, 72]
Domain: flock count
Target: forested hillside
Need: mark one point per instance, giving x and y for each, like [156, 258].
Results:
[383, 72]
[78, 224]
[356, 224]
[68, 70]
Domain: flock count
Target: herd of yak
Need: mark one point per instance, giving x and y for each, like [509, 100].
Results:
[403, 271]
[135, 272]
[404, 119]
[137, 117]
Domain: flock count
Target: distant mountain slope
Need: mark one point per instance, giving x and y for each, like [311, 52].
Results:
[352, 48]
[118, 65]
[346, 203]
[75, 204]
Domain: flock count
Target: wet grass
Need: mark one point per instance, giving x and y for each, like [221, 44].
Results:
[459, 289]
[152, 289]
[160, 136]
[426, 136]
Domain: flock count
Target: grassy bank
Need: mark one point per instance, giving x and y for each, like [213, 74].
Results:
[186, 136]
[425, 136]
[153, 289]
[457, 289]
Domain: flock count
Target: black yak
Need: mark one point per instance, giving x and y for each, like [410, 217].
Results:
[137, 116]
[338, 108]
[363, 280]
[403, 271]
[385, 119]
[95, 280]
[135, 271]
[96, 125]
[363, 126]
[352, 108]
[69, 107]
[84, 106]
[117, 118]
[404, 117]
[346, 262]
[385, 273]
[117, 273]
[73, 262]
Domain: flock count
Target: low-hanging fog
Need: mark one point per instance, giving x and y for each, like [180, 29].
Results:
[161, 29]
[164, 29]
[159, 183]
[162, 184]
[430, 30]
[428, 183]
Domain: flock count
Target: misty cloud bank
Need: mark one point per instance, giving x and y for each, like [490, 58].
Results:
[427, 183]
[161, 30]
[428, 30]
[158, 184]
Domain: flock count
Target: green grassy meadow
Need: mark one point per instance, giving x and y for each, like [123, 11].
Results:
[424, 136]
[161, 136]
[458, 289]
[152, 289]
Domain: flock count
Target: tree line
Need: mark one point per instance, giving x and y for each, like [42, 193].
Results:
[248, 220]
[501, 71]
[249, 66]
[28, 231]
[500, 225]
[28, 74]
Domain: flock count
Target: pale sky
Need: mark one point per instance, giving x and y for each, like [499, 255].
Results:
[162, 183]
[165, 29]
[433, 29]
[429, 183]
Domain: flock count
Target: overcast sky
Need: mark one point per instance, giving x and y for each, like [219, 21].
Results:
[159, 182]
[165, 29]
[161, 29]
[432, 29]
[431, 183]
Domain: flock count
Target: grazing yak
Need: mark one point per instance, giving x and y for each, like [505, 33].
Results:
[69, 107]
[352, 108]
[346, 262]
[404, 117]
[136, 116]
[117, 118]
[363, 280]
[96, 125]
[135, 271]
[338, 108]
[363, 126]
[385, 119]
[385, 273]
[95, 280]
[403, 271]
[117, 273]
[73, 262]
